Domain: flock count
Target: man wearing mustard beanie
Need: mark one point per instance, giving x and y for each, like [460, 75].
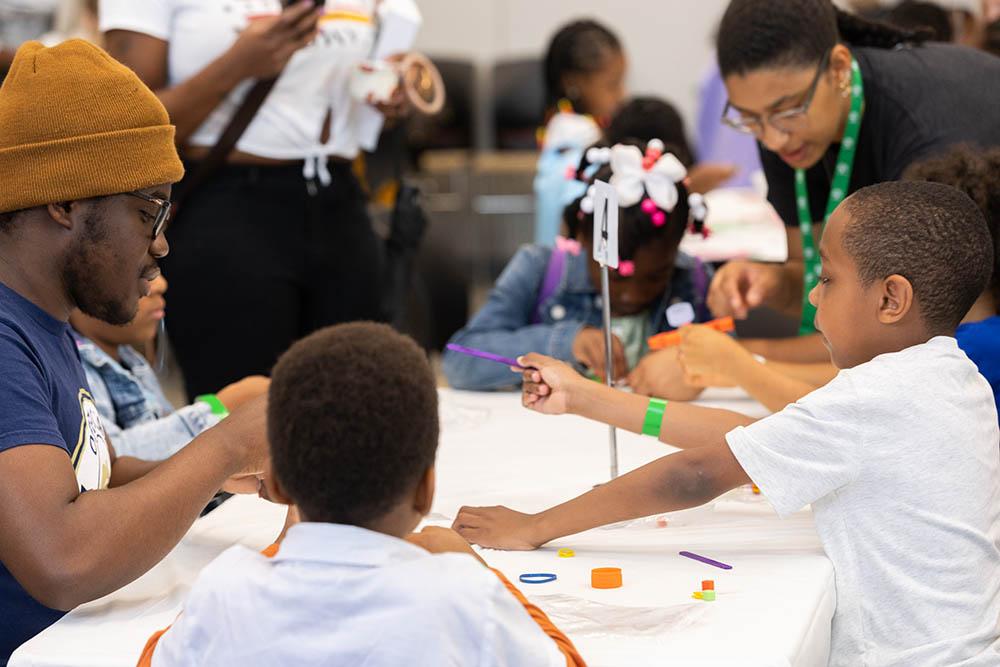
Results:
[87, 159]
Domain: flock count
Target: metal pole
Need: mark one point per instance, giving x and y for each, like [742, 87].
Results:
[608, 368]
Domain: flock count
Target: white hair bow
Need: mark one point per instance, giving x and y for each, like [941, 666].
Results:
[630, 177]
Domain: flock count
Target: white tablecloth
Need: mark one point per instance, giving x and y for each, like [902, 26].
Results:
[773, 608]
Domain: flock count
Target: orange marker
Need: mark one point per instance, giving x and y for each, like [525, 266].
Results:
[672, 338]
[708, 585]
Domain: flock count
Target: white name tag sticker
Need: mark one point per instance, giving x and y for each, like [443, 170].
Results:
[605, 225]
[680, 314]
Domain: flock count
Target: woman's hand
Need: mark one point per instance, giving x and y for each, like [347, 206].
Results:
[397, 107]
[740, 286]
[549, 385]
[269, 42]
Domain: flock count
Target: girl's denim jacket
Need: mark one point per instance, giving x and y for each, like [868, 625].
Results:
[137, 417]
[513, 321]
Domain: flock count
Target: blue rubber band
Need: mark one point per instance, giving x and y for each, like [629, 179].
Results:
[537, 578]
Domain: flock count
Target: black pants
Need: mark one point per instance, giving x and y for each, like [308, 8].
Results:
[259, 258]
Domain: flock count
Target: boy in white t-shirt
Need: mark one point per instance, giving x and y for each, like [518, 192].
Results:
[353, 431]
[899, 455]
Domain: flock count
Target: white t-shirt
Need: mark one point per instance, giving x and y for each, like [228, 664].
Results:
[315, 82]
[900, 458]
[341, 595]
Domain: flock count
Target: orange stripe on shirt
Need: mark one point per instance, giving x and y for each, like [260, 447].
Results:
[573, 658]
[345, 16]
[146, 659]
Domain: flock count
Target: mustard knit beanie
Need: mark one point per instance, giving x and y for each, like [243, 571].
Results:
[76, 124]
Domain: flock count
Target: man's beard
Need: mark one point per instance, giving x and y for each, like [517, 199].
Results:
[81, 277]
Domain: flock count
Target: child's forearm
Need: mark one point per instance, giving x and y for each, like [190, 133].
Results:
[800, 350]
[815, 375]
[684, 425]
[677, 481]
[766, 384]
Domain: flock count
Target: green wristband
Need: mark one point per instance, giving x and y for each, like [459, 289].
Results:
[219, 408]
[654, 417]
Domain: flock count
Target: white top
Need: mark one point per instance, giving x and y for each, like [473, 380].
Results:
[315, 82]
[900, 458]
[341, 595]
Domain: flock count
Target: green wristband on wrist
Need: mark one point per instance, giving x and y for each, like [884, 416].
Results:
[219, 408]
[654, 417]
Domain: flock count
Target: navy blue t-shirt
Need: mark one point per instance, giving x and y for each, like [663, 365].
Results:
[44, 400]
[981, 342]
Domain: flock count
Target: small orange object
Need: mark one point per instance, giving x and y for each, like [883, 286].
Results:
[606, 577]
[756, 490]
[708, 585]
[661, 522]
[673, 338]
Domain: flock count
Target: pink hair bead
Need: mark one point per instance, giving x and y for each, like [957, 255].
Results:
[626, 268]
[648, 206]
[659, 219]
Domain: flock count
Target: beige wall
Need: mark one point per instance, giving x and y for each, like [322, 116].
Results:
[669, 42]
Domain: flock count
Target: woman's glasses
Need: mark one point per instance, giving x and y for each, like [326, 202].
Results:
[785, 121]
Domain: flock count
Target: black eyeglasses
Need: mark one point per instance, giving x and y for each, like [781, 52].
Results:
[786, 121]
[162, 212]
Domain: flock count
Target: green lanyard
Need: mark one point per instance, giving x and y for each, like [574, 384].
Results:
[838, 191]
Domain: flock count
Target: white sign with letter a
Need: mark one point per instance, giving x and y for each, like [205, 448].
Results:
[605, 237]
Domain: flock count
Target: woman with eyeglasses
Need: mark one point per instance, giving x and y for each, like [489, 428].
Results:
[836, 103]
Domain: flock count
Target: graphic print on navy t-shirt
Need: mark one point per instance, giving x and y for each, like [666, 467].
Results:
[91, 458]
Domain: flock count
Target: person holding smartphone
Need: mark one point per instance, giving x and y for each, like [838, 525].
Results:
[287, 196]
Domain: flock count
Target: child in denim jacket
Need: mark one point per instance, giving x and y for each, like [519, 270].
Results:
[136, 415]
[548, 300]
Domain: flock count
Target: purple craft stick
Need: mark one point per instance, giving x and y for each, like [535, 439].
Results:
[707, 561]
[489, 356]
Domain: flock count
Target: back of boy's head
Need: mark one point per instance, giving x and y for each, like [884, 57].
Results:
[636, 226]
[646, 118]
[931, 234]
[578, 47]
[976, 172]
[352, 422]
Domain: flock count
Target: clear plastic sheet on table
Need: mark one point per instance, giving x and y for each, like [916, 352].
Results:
[580, 617]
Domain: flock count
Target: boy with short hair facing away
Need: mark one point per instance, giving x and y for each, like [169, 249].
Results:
[353, 429]
[898, 455]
